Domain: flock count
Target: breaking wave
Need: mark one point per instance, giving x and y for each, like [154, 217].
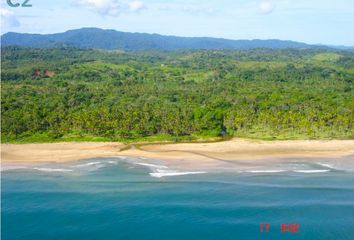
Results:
[151, 165]
[173, 173]
[88, 164]
[312, 171]
[265, 171]
[52, 169]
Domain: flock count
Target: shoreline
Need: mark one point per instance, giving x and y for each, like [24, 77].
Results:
[188, 154]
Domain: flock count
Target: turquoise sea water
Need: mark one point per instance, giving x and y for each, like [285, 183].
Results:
[115, 198]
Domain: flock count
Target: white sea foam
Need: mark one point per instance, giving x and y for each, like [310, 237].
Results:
[312, 171]
[8, 168]
[266, 171]
[87, 164]
[326, 165]
[282, 170]
[52, 169]
[172, 173]
[112, 162]
[164, 171]
[151, 165]
[120, 157]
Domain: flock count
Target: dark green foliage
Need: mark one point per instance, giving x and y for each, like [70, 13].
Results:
[116, 95]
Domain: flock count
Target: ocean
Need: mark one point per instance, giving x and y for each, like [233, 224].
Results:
[137, 199]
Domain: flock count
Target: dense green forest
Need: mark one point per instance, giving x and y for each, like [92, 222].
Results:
[62, 94]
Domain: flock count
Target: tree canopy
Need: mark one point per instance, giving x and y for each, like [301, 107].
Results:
[63, 93]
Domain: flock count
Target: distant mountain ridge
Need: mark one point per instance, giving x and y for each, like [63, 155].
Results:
[112, 39]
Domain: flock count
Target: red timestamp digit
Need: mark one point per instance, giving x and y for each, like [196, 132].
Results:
[284, 227]
[291, 228]
[264, 227]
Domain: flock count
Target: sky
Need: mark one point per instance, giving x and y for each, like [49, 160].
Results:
[311, 21]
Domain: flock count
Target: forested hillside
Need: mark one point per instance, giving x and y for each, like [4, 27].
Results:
[110, 39]
[71, 94]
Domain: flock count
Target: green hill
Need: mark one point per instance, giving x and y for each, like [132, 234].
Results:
[110, 39]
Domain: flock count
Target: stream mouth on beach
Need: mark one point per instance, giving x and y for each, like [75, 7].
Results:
[140, 198]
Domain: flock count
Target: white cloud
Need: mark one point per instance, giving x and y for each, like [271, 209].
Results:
[8, 18]
[136, 6]
[103, 7]
[266, 7]
[188, 8]
[112, 7]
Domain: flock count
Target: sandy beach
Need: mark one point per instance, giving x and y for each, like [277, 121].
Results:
[177, 153]
[56, 152]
